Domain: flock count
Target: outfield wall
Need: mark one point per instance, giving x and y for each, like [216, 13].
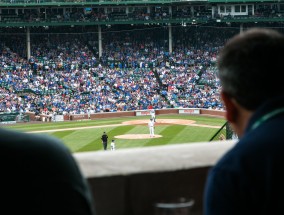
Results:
[131, 181]
[78, 117]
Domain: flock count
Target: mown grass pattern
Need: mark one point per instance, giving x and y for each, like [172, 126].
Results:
[89, 139]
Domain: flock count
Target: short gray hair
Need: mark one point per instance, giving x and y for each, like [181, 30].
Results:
[250, 65]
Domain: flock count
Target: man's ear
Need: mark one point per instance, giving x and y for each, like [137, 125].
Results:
[231, 107]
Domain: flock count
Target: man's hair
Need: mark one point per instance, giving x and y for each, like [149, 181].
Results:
[250, 67]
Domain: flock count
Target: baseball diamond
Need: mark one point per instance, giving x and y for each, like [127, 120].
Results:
[128, 132]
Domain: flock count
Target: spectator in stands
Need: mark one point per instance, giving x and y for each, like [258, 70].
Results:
[40, 177]
[132, 76]
[248, 179]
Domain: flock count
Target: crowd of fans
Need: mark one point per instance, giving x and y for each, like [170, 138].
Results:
[105, 14]
[65, 75]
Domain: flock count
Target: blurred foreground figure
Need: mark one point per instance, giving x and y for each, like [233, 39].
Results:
[248, 179]
[39, 176]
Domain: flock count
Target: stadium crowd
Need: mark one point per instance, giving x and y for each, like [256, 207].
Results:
[141, 13]
[136, 71]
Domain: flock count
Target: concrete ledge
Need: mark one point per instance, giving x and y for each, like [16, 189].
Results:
[132, 181]
[151, 159]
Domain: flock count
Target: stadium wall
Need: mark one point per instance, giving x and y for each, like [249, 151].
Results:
[132, 181]
[94, 116]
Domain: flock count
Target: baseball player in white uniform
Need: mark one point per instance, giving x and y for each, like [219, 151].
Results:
[153, 114]
[151, 125]
[112, 145]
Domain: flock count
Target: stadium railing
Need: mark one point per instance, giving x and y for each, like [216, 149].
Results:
[224, 133]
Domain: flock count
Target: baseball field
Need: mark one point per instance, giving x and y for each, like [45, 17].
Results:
[128, 132]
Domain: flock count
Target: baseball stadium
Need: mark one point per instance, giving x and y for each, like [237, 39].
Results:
[74, 69]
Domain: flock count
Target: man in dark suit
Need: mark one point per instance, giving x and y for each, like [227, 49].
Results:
[248, 179]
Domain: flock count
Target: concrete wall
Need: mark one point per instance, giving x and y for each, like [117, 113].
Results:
[131, 181]
[123, 114]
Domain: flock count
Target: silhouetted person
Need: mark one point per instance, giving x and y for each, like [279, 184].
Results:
[248, 179]
[39, 176]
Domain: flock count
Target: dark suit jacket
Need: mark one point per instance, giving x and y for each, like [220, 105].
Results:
[249, 179]
[104, 138]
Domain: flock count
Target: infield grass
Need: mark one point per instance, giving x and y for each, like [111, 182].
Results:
[88, 139]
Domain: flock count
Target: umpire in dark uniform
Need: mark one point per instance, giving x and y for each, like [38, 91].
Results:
[104, 140]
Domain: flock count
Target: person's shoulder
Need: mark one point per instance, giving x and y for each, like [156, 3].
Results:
[49, 161]
[15, 135]
[240, 154]
[36, 150]
[43, 144]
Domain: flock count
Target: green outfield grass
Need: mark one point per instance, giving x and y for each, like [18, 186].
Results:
[88, 139]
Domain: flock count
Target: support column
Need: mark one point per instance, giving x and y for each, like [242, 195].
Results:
[28, 43]
[100, 40]
[170, 38]
[213, 12]
[170, 11]
[241, 28]
[191, 11]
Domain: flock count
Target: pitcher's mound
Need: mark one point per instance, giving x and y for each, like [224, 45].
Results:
[136, 136]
